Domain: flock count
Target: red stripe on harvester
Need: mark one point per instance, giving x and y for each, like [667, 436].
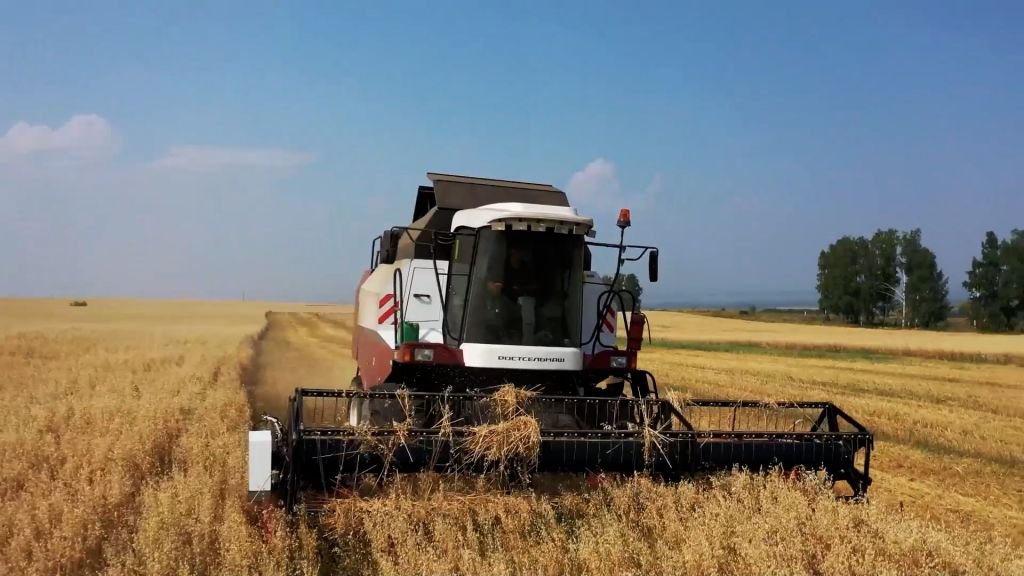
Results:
[385, 299]
[609, 320]
[387, 314]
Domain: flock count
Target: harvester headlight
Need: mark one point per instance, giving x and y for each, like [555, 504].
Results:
[423, 355]
[618, 361]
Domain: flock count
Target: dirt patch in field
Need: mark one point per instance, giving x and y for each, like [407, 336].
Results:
[298, 349]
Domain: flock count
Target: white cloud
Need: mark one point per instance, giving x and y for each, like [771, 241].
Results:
[654, 187]
[649, 197]
[91, 137]
[595, 184]
[209, 158]
[84, 136]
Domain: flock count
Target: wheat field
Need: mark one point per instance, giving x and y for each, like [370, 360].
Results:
[123, 452]
[921, 343]
[949, 435]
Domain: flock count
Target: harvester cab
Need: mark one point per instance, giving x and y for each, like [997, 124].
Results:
[491, 283]
[483, 316]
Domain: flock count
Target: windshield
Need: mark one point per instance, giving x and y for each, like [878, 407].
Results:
[524, 288]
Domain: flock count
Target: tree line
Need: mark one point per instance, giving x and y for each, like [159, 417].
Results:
[893, 275]
[995, 284]
[865, 280]
[630, 283]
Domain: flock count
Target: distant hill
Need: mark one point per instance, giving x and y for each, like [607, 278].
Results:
[784, 299]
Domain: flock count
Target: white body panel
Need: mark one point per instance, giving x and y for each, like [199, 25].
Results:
[377, 303]
[485, 215]
[593, 286]
[521, 357]
[260, 449]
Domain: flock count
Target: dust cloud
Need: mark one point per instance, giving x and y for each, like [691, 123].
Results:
[299, 349]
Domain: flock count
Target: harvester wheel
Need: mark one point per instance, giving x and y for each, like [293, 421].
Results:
[358, 408]
[379, 413]
[357, 412]
[386, 413]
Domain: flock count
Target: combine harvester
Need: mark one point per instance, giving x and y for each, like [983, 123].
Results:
[483, 317]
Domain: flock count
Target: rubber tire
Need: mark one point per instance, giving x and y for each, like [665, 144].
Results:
[385, 413]
[376, 413]
[358, 407]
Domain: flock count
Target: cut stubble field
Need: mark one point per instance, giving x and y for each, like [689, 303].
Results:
[123, 449]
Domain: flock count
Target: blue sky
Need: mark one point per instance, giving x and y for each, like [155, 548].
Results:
[197, 151]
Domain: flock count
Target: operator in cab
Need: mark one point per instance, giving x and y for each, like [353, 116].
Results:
[519, 277]
[511, 293]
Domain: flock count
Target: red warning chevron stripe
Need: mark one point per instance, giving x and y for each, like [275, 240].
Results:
[608, 322]
[387, 308]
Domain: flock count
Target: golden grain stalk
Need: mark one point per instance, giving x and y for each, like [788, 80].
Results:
[510, 401]
[513, 442]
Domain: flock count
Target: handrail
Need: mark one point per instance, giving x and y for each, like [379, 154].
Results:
[398, 300]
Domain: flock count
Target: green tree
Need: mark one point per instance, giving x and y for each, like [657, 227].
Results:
[995, 284]
[884, 271]
[982, 287]
[927, 288]
[862, 279]
[841, 279]
[1011, 280]
[629, 283]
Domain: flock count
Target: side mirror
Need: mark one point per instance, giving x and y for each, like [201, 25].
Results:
[652, 265]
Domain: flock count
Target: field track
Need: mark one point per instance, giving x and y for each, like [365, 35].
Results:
[308, 349]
